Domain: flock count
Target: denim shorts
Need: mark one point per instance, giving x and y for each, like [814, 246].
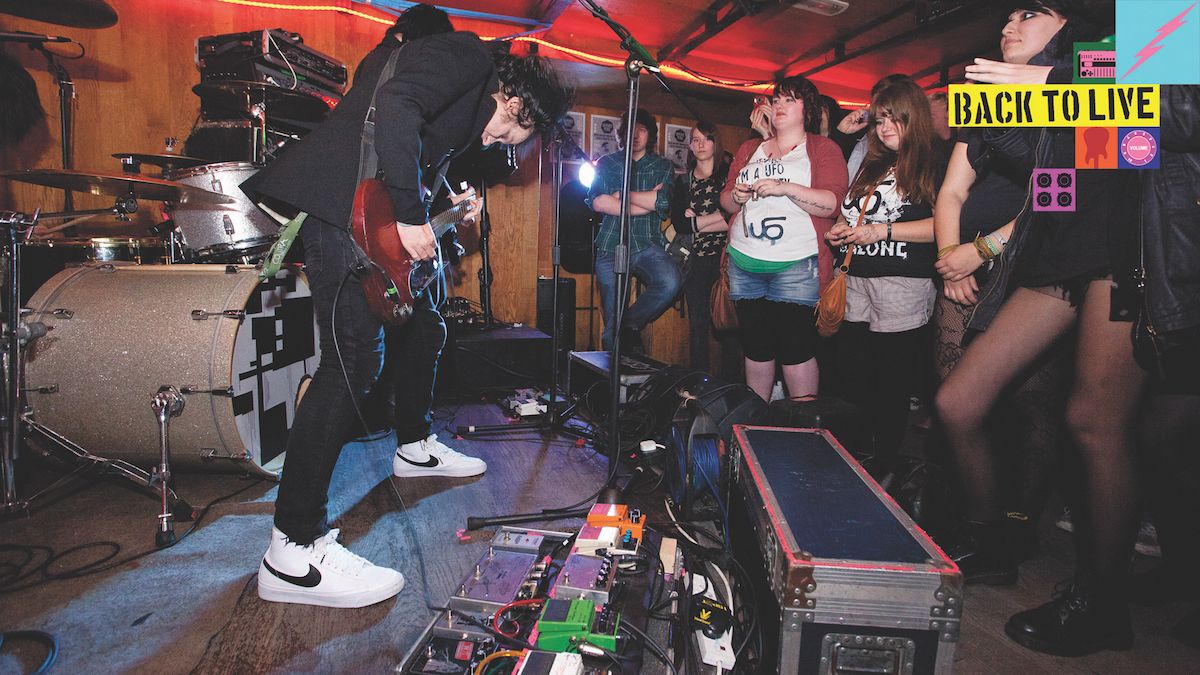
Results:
[797, 284]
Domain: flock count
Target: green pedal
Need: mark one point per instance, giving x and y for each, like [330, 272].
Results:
[565, 624]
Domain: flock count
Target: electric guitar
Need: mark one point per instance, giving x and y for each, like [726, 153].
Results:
[394, 281]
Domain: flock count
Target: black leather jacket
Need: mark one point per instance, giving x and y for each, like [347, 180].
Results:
[1171, 215]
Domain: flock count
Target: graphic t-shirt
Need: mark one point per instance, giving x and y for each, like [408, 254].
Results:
[775, 229]
[883, 258]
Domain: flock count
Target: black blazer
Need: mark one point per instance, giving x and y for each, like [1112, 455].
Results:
[434, 107]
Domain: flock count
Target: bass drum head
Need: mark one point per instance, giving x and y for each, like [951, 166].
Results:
[275, 355]
[119, 332]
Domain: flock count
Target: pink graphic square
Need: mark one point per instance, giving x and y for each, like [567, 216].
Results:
[1053, 190]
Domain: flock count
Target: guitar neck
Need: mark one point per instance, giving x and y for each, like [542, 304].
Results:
[444, 221]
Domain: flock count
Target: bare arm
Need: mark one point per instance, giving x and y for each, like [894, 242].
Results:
[820, 203]
[959, 178]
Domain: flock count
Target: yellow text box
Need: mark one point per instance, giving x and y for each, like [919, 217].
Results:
[1054, 105]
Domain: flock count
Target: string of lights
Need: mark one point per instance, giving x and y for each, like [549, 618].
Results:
[676, 71]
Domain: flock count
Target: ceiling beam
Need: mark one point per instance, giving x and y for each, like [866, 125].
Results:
[840, 41]
[548, 11]
[686, 40]
[953, 20]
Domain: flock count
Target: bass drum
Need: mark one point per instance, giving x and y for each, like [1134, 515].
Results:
[118, 332]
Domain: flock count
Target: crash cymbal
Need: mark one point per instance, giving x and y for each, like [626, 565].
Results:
[232, 95]
[165, 162]
[77, 13]
[118, 185]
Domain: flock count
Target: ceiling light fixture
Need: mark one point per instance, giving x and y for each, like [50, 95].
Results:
[823, 7]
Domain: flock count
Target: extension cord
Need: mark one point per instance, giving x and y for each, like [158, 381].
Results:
[718, 652]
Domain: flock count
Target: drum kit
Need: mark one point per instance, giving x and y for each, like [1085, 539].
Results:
[169, 350]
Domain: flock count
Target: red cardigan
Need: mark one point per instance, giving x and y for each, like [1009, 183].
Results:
[828, 173]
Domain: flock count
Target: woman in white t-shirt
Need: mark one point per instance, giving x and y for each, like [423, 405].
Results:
[881, 351]
[784, 193]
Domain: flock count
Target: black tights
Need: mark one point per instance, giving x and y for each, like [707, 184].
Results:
[1028, 419]
[878, 372]
[1100, 410]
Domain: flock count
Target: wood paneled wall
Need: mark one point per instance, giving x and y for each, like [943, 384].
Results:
[134, 90]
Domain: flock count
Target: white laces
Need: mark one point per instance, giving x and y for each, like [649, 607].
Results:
[433, 446]
[339, 557]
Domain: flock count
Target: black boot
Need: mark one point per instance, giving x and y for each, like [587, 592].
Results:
[631, 341]
[982, 555]
[1081, 619]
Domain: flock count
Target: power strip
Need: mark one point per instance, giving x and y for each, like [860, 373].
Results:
[714, 652]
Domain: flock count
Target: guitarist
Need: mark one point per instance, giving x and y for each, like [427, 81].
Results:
[447, 93]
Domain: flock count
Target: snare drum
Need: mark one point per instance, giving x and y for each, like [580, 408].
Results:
[118, 332]
[43, 258]
[223, 232]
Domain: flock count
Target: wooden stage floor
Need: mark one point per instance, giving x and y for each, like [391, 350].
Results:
[193, 608]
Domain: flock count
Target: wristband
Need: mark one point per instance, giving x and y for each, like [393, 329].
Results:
[889, 237]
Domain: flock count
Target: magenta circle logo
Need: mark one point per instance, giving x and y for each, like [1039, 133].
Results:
[1138, 148]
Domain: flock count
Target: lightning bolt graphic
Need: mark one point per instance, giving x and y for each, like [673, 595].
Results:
[1152, 48]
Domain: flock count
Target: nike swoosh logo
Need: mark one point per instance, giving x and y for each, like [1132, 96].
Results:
[428, 464]
[309, 580]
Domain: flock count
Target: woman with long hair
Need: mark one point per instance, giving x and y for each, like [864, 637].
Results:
[1057, 273]
[784, 193]
[977, 206]
[888, 217]
[697, 218]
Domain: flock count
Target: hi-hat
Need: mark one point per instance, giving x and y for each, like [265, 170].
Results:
[233, 95]
[119, 185]
[77, 13]
[167, 163]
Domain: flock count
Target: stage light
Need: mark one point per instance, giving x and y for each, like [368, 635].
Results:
[587, 173]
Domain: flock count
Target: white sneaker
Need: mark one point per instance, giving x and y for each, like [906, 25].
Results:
[431, 457]
[323, 573]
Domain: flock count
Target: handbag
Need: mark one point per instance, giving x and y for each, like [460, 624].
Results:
[831, 308]
[723, 313]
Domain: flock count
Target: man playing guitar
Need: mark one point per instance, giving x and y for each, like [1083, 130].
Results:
[447, 93]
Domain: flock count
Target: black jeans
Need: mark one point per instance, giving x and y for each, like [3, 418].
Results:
[402, 397]
[327, 416]
[702, 273]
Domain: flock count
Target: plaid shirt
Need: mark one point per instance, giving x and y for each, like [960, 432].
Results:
[645, 230]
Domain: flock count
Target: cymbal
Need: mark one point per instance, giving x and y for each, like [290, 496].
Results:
[77, 13]
[164, 162]
[119, 185]
[286, 103]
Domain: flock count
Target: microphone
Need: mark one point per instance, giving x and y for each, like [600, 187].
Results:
[32, 38]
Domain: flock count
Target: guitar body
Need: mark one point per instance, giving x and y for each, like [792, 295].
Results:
[373, 224]
[394, 281]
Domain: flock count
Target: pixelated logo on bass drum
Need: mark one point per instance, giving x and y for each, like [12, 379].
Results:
[1138, 148]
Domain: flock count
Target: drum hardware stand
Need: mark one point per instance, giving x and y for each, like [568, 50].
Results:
[17, 420]
[167, 403]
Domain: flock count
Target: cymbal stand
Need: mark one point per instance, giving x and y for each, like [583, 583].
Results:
[167, 403]
[18, 419]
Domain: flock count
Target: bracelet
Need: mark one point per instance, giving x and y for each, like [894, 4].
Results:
[992, 245]
[945, 250]
[982, 249]
[693, 224]
[889, 237]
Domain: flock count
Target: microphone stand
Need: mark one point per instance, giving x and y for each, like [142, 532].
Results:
[66, 114]
[639, 59]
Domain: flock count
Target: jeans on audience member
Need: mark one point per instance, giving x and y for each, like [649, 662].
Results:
[659, 274]
[703, 272]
